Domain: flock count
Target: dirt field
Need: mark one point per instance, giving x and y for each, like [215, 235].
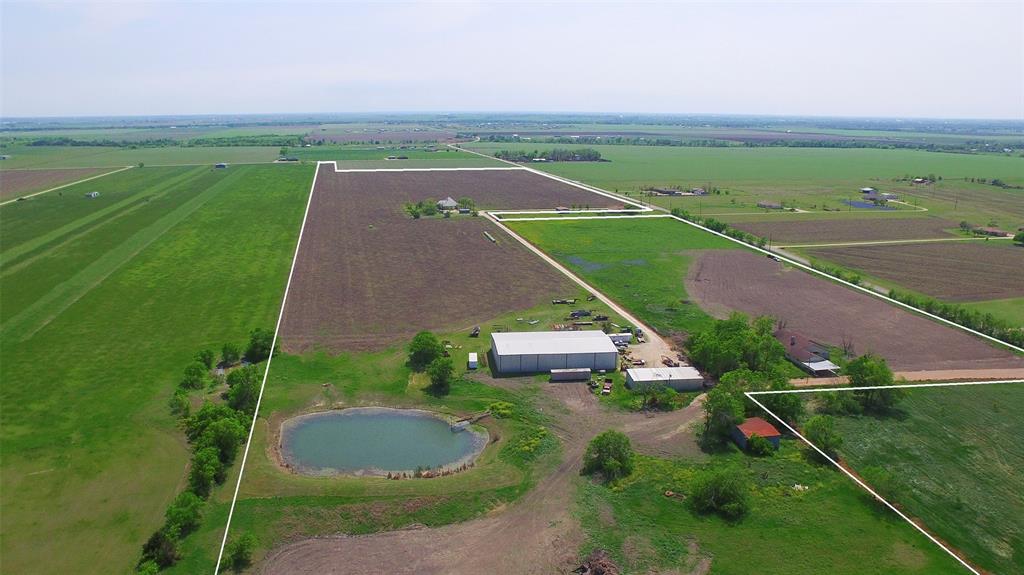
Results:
[397, 136]
[368, 275]
[950, 271]
[545, 534]
[875, 229]
[14, 183]
[724, 280]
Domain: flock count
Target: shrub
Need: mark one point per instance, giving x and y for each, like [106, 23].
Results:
[194, 377]
[500, 409]
[821, 431]
[610, 454]
[245, 388]
[884, 483]
[239, 552]
[870, 370]
[423, 349]
[184, 514]
[230, 354]
[760, 446]
[206, 358]
[179, 403]
[725, 492]
[723, 408]
[160, 549]
[205, 471]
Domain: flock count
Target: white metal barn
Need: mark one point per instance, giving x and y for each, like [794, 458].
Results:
[539, 351]
[683, 378]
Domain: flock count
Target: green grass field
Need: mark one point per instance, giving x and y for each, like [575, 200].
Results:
[372, 157]
[639, 263]
[809, 178]
[103, 157]
[829, 528]
[105, 301]
[956, 458]
[1012, 310]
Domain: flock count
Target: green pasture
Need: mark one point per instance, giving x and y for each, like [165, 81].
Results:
[22, 156]
[954, 456]
[1012, 310]
[639, 263]
[829, 528]
[105, 302]
[373, 157]
[807, 178]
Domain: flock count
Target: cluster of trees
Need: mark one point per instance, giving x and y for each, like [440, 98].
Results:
[614, 141]
[609, 454]
[552, 155]
[736, 343]
[725, 492]
[986, 323]
[215, 433]
[837, 272]
[994, 182]
[428, 207]
[720, 227]
[426, 354]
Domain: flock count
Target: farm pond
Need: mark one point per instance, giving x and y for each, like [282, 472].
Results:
[376, 441]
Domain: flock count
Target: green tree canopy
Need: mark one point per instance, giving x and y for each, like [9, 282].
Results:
[230, 353]
[821, 431]
[736, 343]
[206, 469]
[184, 514]
[195, 376]
[440, 371]
[261, 345]
[423, 349]
[206, 357]
[723, 408]
[245, 388]
[870, 370]
[610, 454]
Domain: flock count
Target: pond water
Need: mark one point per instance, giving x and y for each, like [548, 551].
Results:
[374, 441]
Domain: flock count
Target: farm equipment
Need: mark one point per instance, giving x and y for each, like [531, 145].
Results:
[563, 301]
[669, 362]
[475, 332]
[606, 389]
[591, 297]
[638, 363]
[600, 318]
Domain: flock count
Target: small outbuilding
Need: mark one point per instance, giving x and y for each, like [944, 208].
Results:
[447, 204]
[684, 378]
[741, 433]
[868, 190]
[220, 165]
[474, 361]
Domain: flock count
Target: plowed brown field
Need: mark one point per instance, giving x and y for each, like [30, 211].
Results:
[14, 183]
[876, 229]
[724, 280]
[951, 271]
[367, 275]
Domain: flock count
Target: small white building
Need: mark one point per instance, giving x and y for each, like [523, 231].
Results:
[474, 361]
[542, 351]
[624, 337]
[683, 378]
[447, 204]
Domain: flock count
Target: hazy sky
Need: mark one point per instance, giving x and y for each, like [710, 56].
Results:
[915, 59]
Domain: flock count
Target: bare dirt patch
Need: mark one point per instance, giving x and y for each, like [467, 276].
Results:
[724, 280]
[368, 275]
[955, 271]
[14, 183]
[875, 229]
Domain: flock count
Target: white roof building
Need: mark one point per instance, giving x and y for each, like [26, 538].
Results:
[683, 378]
[539, 351]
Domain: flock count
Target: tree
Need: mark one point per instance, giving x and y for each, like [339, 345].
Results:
[239, 551]
[194, 377]
[423, 349]
[261, 345]
[723, 408]
[206, 357]
[160, 549]
[724, 491]
[610, 454]
[736, 343]
[224, 435]
[1019, 238]
[206, 468]
[230, 353]
[870, 370]
[821, 431]
[760, 446]
[207, 414]
[147, 567]
[245, 389]
[440, 371]
[883, 483]
[184, 514]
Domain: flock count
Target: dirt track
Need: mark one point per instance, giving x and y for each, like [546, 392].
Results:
[537, 534]
[724, 280]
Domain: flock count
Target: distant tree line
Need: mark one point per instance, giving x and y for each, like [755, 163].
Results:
[260, 140]
[215, 432]
[552, 155]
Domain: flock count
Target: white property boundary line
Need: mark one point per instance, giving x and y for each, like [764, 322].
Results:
[452, 169]
[559, 218]
[266, 372]
[750, 395]
[784, 258]
[62, 186]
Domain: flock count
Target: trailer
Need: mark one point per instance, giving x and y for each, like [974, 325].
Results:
[571, 374]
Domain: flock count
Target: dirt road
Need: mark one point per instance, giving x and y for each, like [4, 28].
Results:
[537, 534]
[934, 375]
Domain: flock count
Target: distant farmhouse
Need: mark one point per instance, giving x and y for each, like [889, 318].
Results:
[447, 204]
[769, 205]
[806, 353]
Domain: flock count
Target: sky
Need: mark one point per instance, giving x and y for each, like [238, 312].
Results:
[823, 58]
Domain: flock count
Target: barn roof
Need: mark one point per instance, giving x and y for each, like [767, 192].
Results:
[552, 342]
[752, 425]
